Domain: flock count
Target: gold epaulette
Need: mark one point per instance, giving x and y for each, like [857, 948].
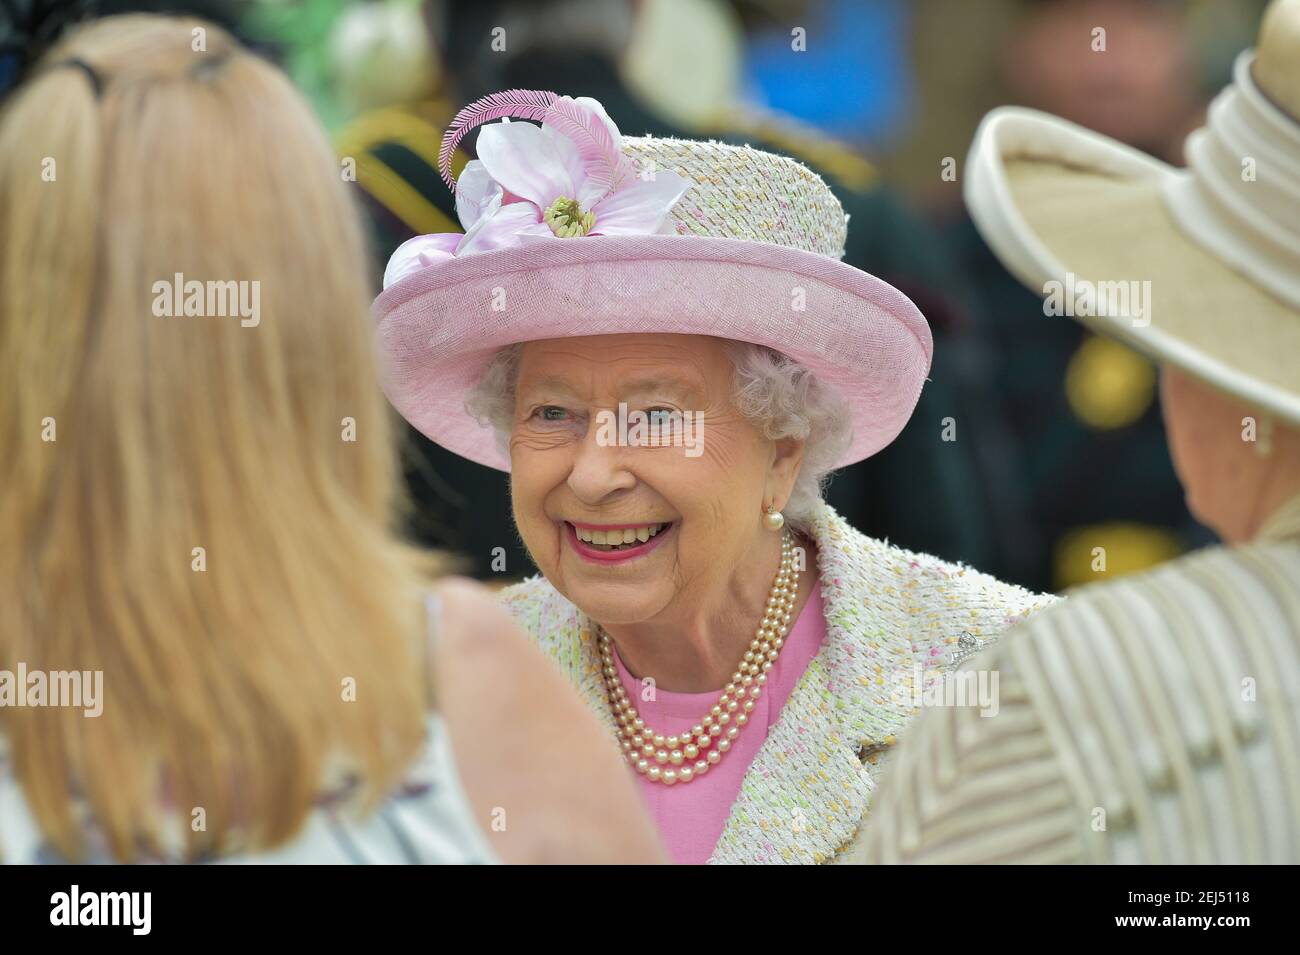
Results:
[412, 128]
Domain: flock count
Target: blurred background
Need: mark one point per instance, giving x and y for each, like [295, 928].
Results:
[1035, 442]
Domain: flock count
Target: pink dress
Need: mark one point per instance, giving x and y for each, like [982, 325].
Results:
[690, 817]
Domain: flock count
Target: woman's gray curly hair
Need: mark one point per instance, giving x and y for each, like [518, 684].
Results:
[782, 398]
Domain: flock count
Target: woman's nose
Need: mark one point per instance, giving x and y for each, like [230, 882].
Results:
[599, 469]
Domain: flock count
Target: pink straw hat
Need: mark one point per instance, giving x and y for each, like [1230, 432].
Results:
[573, 230]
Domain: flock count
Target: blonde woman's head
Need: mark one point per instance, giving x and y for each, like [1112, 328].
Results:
[197, 463]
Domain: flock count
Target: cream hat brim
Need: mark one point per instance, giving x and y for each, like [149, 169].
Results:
[1052, 198]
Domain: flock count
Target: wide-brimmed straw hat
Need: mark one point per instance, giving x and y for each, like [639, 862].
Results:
[573, 229]
[1198, 267]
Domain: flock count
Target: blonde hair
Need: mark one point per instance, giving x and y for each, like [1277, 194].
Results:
[131, 440]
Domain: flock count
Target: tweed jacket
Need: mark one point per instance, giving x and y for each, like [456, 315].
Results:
[890, 615]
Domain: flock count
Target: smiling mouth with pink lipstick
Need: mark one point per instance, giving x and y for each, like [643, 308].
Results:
[614, 543]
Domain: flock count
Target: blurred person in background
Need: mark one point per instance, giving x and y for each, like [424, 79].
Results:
[198, 506]
[583, 47]
[1082, 407]
[1154, 719]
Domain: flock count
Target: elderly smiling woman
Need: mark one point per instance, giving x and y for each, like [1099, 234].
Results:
[752, 654]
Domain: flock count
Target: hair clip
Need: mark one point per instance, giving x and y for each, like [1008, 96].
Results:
[96, 83]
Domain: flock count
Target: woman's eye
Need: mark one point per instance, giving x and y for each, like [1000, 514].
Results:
[551, 413]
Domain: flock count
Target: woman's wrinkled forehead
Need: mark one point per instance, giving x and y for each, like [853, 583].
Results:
[691, 366]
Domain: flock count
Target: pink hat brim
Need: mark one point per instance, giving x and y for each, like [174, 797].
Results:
[438, 328]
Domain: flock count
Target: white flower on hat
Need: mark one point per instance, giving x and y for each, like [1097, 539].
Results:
[568, 178]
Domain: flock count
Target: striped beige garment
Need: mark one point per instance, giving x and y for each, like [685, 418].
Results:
[1153, 719]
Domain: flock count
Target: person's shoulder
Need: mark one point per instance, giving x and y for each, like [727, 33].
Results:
[526, 597]
[1232, 605]
[543, 612]
[924, 591]
[1214, 592]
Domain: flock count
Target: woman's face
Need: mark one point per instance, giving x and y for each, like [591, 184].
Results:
[575, 475]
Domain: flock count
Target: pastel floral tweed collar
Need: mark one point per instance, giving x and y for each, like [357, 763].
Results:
[892, 617]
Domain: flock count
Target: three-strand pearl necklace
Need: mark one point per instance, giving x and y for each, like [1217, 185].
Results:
[680, 759]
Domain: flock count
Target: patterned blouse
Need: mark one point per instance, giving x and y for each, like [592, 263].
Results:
[426, 819]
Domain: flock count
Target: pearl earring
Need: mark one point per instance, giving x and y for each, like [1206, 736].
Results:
[774, 519]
